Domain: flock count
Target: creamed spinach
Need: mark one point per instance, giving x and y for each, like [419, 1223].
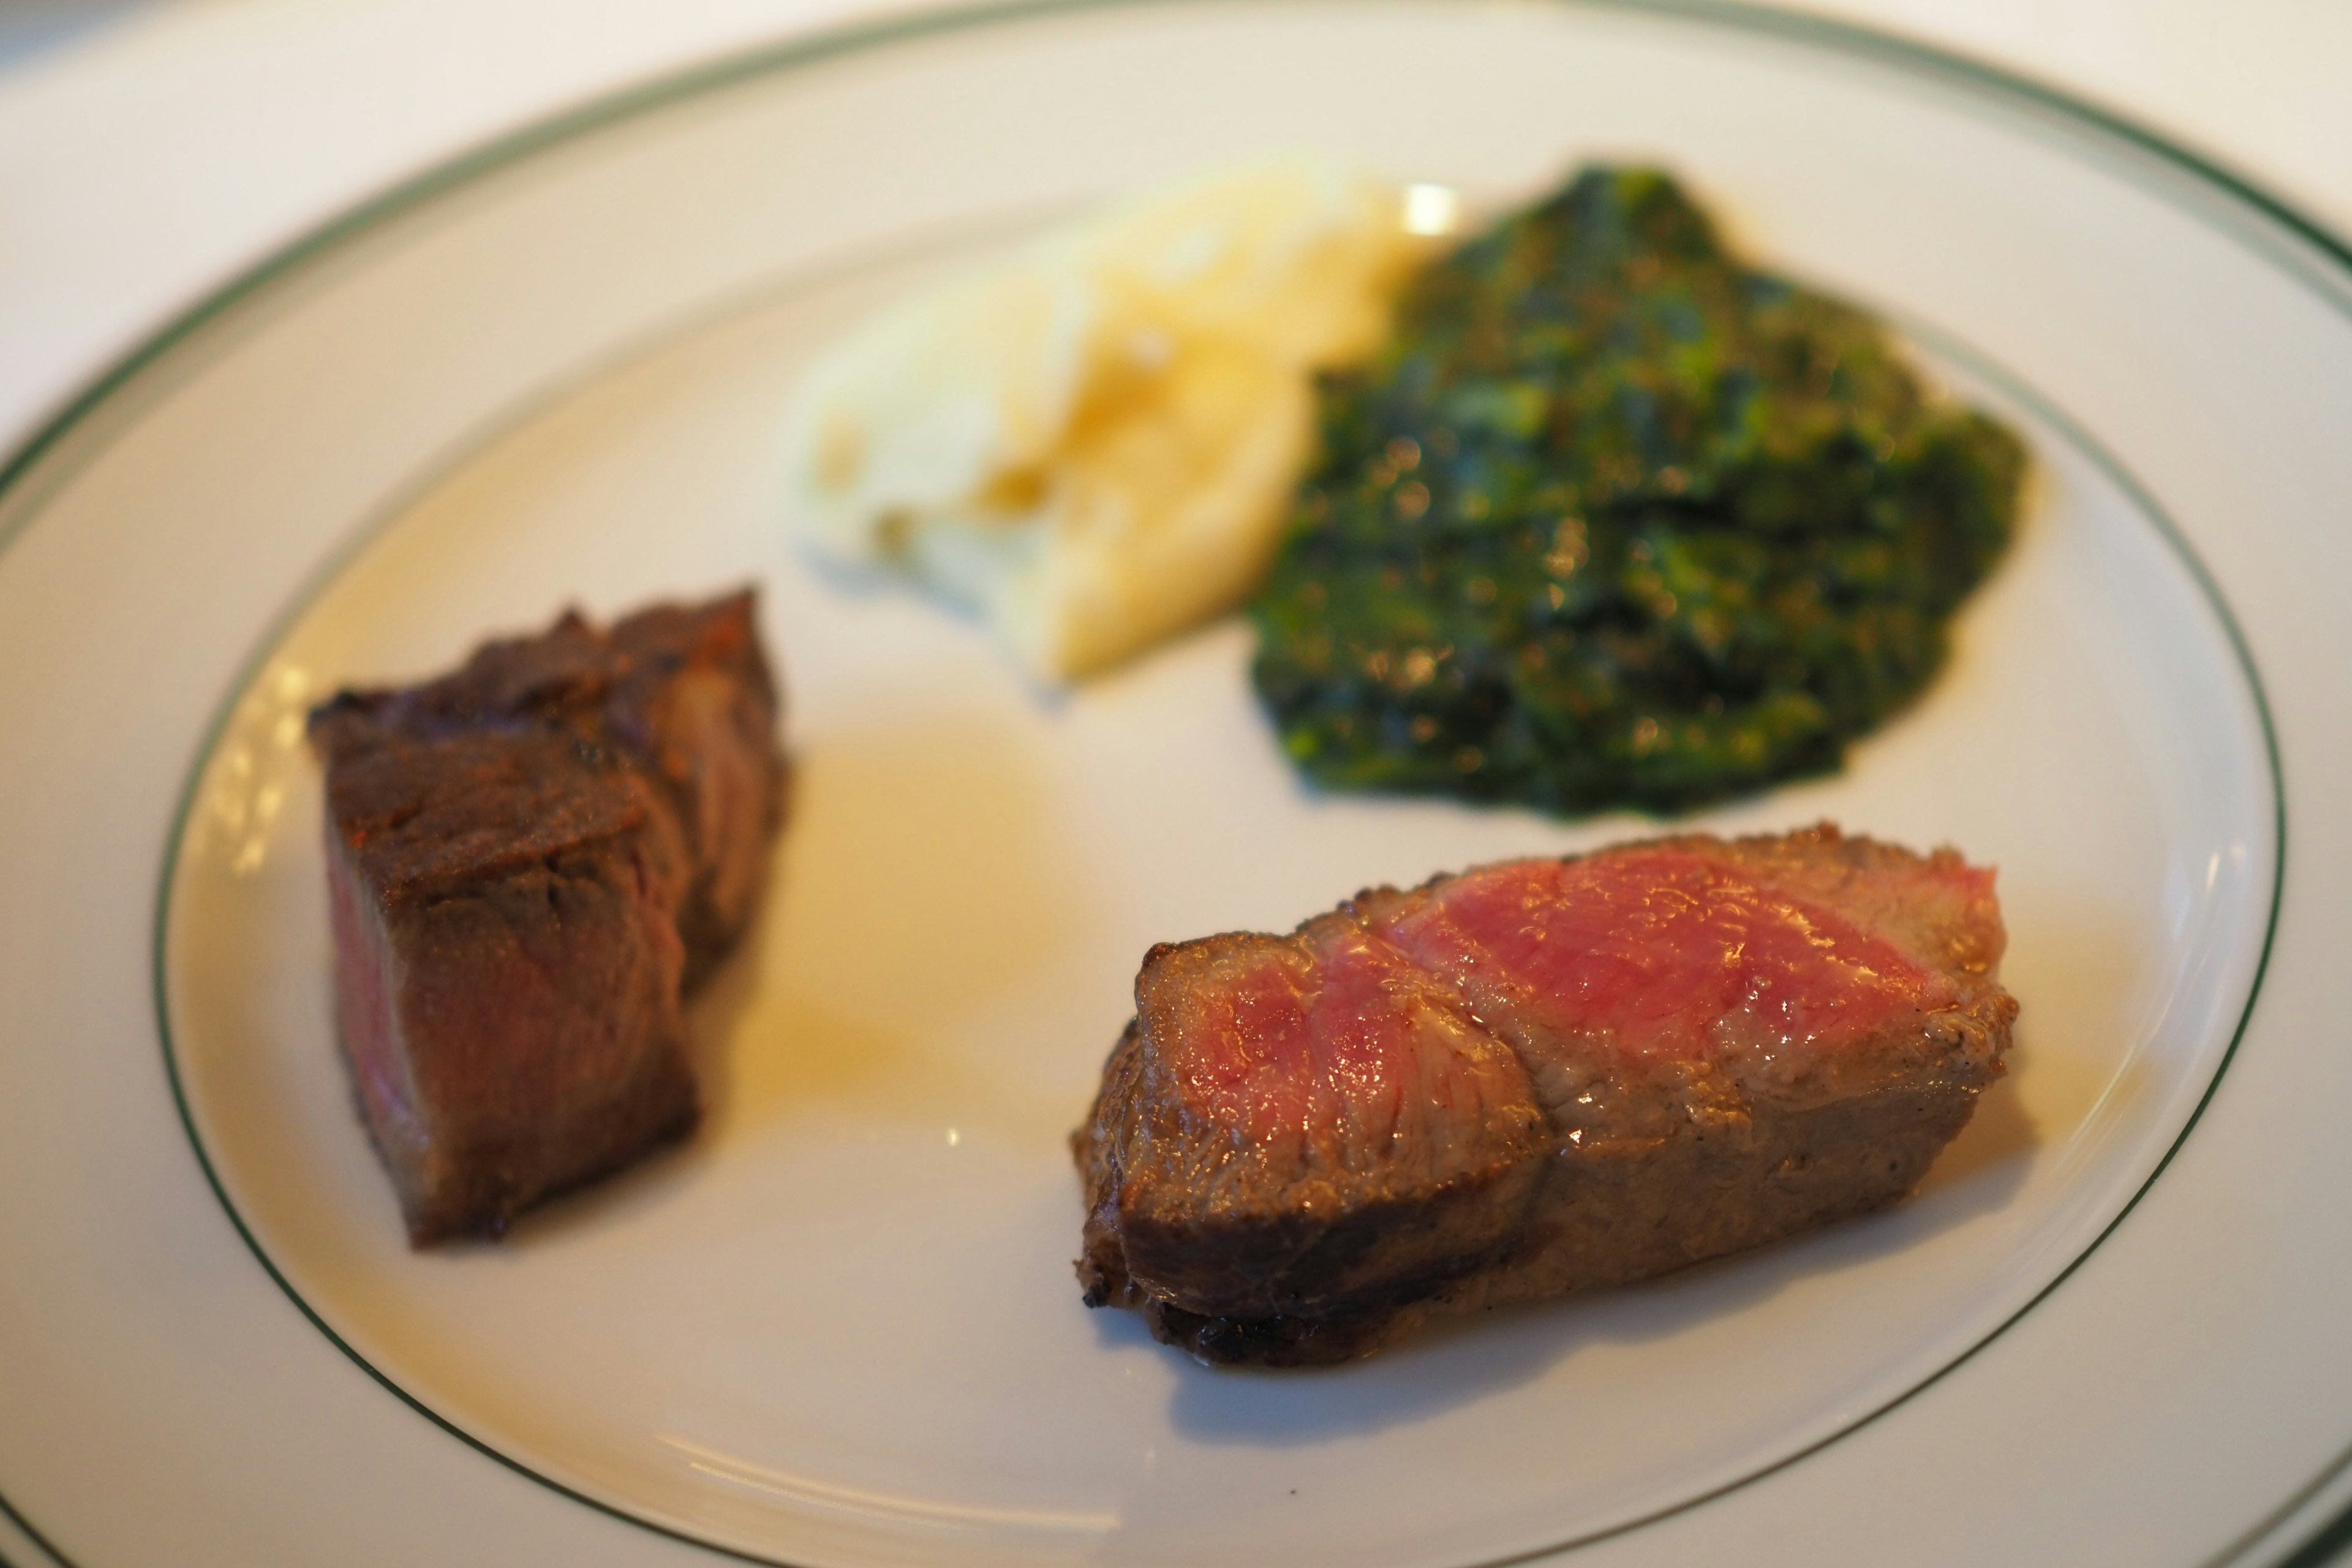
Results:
[1615, 520]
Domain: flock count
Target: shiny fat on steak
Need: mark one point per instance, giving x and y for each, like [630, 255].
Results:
[1531, 1078]
[530, 861]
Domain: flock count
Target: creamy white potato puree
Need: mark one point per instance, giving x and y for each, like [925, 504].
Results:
[1092, 442]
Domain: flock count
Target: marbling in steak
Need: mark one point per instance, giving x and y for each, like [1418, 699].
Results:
[1531, 1078]
[530, 861]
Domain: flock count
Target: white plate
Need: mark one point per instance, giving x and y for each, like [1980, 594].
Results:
[840, 1327]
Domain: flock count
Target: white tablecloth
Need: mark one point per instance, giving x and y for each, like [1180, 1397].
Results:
[149, 151]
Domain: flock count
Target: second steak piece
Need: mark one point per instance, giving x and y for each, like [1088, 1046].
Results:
[1531, 1078]
[530, 861]
[681, 693]
[508, 967]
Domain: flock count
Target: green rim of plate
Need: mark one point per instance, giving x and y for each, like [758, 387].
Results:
[2286, 237]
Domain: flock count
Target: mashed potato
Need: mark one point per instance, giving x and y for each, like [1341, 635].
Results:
[1092, 443]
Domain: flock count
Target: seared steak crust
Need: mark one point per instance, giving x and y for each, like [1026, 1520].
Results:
[530, 861]
[1563, 1074]
[681, 694]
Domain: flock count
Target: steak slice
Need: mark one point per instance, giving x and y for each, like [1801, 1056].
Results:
[1311, 1126]
[681, 692]
[1531, 1078]
[529, 862]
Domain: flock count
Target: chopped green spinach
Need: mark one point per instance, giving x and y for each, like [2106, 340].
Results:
[1615, 520]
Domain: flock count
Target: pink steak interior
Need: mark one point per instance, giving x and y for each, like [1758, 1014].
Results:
[1647, 949]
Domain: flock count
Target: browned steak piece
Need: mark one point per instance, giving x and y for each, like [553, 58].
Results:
[528, 861]
[1531, 1078]
[681, 692]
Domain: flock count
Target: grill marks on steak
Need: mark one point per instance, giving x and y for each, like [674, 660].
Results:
[1533, 1078]
[530, 861]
